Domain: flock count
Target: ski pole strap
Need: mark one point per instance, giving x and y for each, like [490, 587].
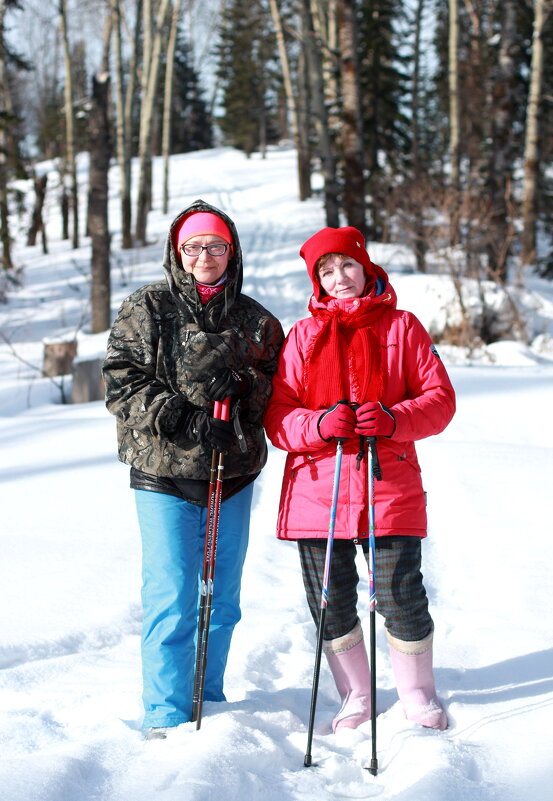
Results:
[376, 469]
[361, 453]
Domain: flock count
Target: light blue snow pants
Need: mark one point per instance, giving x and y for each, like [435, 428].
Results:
[173, 535]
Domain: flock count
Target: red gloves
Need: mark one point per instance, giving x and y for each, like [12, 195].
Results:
[374, 420]
[337, 422]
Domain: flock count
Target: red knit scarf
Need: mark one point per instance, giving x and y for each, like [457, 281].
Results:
[344, 360]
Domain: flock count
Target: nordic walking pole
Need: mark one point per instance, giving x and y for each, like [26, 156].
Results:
[372, 473]
[324, 600]
[208, 541]
[221, 411]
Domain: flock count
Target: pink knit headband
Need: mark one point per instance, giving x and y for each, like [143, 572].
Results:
[200, 223]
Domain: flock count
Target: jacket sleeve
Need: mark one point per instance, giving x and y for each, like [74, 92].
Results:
[134, 394]
[262, 370]
[289, 425]
[429, 404]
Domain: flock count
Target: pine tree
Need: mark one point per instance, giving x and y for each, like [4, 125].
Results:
[384, 88]
[191, 124]
[247, 73]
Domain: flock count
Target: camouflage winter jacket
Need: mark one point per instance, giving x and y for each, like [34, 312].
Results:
[163, 348]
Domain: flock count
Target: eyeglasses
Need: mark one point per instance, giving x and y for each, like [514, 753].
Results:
[216, 249]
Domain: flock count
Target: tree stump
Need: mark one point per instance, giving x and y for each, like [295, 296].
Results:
[88, 382]
[58, 358]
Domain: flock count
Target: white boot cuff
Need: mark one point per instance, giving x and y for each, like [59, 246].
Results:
[413, 648]
[345, 642]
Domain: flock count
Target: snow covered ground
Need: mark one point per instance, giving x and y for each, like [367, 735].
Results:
[70, 708]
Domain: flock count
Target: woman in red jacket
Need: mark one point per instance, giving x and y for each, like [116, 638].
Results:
[357, 346]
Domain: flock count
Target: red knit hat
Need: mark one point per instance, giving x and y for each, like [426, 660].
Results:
[200, 223]
[347, 240]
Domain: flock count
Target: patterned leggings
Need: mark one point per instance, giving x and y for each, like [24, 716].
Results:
[400, 594]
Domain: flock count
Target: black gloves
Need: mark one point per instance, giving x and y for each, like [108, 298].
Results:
[201, 427]
[227, 382]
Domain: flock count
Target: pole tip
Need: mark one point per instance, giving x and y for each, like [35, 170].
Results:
[307, 762]
[373, 769]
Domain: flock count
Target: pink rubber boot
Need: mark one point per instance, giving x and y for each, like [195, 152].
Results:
[412, 666]
[349, 664]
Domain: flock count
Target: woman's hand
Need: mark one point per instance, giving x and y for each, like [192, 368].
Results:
[374, 420]
[209, 431]
[338, 422]
[228, 383]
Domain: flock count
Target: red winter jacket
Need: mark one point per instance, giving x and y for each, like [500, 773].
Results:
[420, 395]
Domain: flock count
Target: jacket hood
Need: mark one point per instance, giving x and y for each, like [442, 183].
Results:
[183, 284]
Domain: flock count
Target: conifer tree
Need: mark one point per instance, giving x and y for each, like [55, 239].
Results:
[384, 86]
[191, 123]
[247, 74]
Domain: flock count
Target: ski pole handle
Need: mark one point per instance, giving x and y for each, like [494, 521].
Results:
[341, 440]
[221, 409]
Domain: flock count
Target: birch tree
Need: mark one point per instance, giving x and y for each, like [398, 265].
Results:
[151, 65]
[122, 131]
[531, 153]
[300, 143]
[168, 101]
[419, 196]
[5, 240]
[131, 101]
[325, 23]
[71, 157]
[454, 118]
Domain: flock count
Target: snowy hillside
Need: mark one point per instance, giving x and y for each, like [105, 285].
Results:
[70, 707]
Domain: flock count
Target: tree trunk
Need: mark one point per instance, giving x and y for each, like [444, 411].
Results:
[328, 162]
[106, 40]
[454, 121]
[304, 122]
[352, 137]
[122, 131]
[168, 102]
[417, 197]
[37, 223]
[130, 103]
[304, 178]
[531, 154]
[64, 211]
[262, 132]
[501, 157]
[71, 157]
[151, 69]
[325, 24]
[104, 70]
[100, 154]
[5, 238]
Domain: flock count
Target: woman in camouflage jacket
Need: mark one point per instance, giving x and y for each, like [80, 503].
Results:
[176, 346]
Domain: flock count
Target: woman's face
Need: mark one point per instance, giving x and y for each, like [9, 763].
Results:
[342, 277]
[205, 268]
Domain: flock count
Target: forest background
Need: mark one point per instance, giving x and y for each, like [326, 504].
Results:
[423, 122]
